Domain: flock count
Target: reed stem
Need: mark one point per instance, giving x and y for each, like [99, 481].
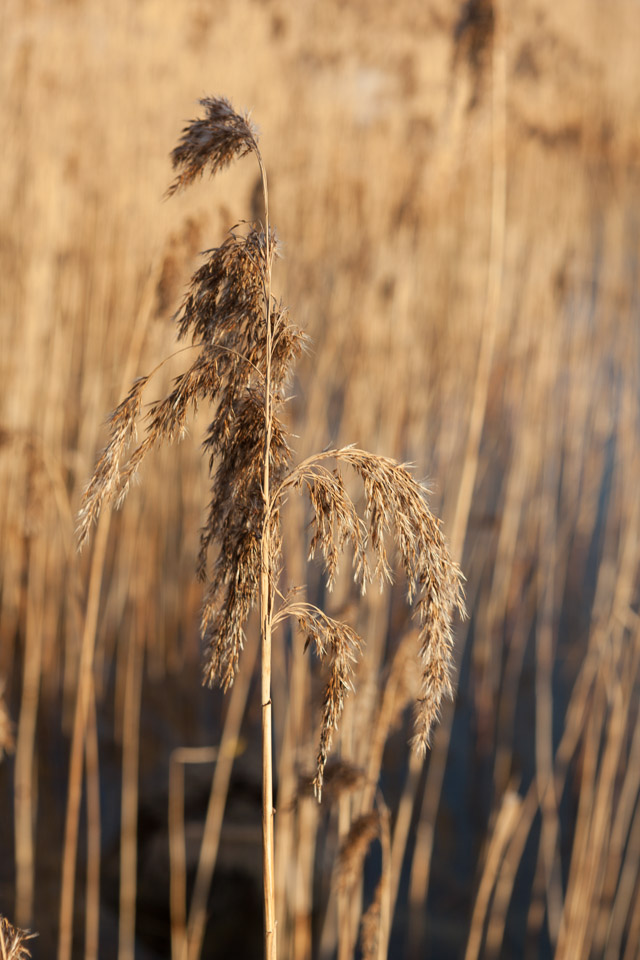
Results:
[268, 856]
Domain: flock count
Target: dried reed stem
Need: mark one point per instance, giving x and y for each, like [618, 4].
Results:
[216, 805]
[420, 871]
[129, 798]
[7, 742]
[266, 616]
[177, 853]
[25, 768]
[74, 792]
[85, 690]
[505, 825]
[94, 833]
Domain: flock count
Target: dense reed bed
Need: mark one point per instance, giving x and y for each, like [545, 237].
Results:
[458, 194]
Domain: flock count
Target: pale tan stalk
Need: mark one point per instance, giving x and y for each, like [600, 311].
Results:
[576, 900]
[345, 898]
[287, 851]
[94, 832]
[386, 893]
[503, 831]
[85, 669]
[425, 836]
[491, 311]
[308, 823]
[394, 699]
[624, 854]
[577, 713]
[266, 599]
[505, 880]
[621, 914]
[177, 852]
[129, 815]
[402, 826]
[217, 801]
[632, 949]
[420, 870]
[549, 587]
[592, 839]
[25, 789]
[74, 793]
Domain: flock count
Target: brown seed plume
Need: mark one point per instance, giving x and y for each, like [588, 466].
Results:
[396, 510]
[213, 141]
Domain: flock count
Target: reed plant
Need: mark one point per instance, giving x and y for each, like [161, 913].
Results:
[485, 258]
[246, 345]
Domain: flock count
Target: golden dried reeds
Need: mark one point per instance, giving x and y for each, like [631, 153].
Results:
[507, 362]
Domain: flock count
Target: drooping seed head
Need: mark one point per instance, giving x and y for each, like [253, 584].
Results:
[212, 142]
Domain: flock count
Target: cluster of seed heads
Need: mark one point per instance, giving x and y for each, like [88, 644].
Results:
[246, 346]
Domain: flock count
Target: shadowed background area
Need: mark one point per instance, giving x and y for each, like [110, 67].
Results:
[456, 188]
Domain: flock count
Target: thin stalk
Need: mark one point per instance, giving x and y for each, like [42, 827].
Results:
[92, 908]
[386, 895]
[26, 767]
[130, 767]
[74, 794]
[503, 832]
[177, 855]
[268, 856]
[217, 800]
[421, 867]
[177, 846]
[287, 851]
[86, 667]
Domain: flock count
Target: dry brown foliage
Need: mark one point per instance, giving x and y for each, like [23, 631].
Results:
[13, 940]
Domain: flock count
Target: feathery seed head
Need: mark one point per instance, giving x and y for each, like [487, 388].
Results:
[213, 141]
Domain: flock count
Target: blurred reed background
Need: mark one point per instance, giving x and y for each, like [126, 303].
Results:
[457, 191]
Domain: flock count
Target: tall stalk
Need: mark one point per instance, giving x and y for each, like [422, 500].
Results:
[268, 813]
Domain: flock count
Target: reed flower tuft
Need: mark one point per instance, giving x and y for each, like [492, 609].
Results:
[13, 940]
[221, 136]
